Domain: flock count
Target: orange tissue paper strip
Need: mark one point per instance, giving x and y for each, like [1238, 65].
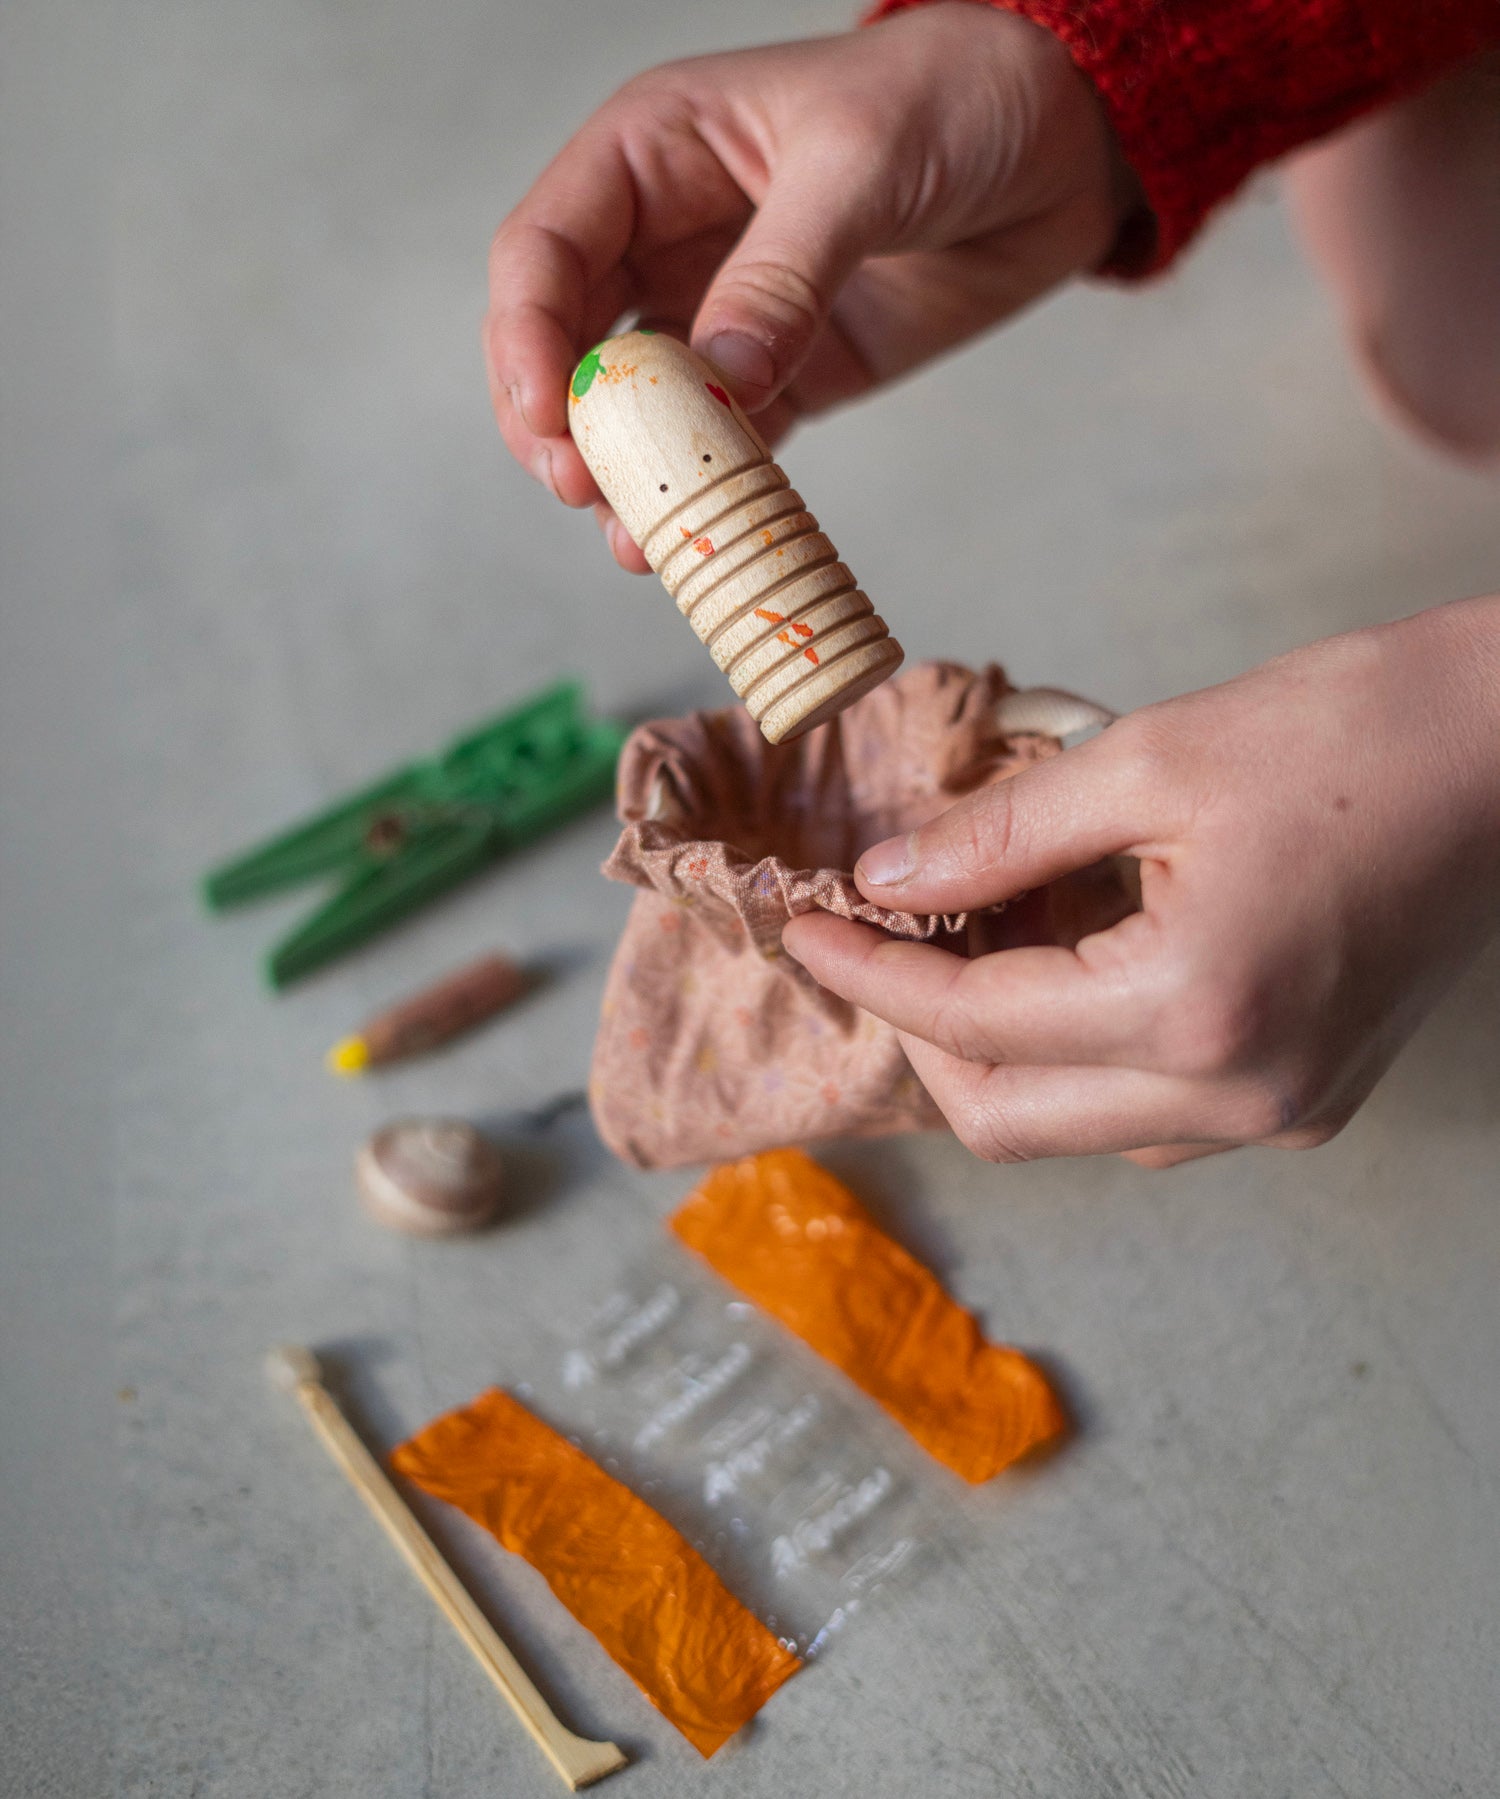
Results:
[624, 1573]
[801, 1246]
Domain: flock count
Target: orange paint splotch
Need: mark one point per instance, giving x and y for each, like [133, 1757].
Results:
[704, 546]
[779, 618]
[767, 537]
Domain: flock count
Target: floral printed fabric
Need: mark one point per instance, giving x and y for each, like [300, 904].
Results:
[713, 1043]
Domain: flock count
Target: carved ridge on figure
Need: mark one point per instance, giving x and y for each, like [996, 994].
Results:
[760, 526]
[745, 561]
[808, 545]
[774, 598]
[779, 484]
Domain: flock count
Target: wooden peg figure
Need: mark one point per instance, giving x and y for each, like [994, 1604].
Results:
[694, 484]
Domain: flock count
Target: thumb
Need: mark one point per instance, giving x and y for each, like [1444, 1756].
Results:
[1007, 838]
[775, 290]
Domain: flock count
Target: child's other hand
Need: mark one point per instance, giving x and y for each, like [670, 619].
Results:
[1320, 855]
[817, 217]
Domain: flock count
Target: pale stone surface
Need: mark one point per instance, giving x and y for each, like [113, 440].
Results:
[262, 543]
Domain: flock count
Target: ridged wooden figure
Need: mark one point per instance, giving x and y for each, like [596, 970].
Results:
[693, 483]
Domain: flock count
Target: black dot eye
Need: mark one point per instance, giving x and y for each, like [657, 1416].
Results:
[664, 487]
[708, 458]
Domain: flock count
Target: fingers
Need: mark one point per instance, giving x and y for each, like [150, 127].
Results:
[622, 545]
[1025, 1114]
[554, 462]
[1055, 817]
[1016, 1006]
[773, 296]
[567, 236]
[556, 275]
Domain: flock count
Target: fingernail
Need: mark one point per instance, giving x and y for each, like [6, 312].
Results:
[742, 358]
[541, 467]
[888, 864]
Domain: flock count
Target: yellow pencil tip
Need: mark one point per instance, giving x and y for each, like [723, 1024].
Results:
[348, 1057]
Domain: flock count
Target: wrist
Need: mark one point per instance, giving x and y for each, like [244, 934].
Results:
[1445, 663]
[1114, 187]
[1202, 92]
[1024, 131]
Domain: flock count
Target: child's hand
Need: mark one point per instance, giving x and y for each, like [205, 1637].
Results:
[820, 217]
[1320, 855]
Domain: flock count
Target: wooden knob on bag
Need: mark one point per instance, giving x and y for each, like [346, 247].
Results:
[694, 484]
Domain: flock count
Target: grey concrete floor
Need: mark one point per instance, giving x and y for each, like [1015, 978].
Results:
[259, 541]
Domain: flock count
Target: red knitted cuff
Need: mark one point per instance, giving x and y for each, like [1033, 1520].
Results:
[1200, 92]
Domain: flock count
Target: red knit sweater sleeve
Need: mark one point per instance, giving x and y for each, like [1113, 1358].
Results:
[1200, 92]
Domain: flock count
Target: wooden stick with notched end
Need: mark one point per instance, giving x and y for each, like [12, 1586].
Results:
[577, 1760]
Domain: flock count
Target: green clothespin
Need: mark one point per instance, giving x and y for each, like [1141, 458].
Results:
[423, 828]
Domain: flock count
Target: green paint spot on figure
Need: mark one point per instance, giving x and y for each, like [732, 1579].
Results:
[583, 375]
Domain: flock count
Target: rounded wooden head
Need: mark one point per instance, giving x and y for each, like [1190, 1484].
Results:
[658, 427]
